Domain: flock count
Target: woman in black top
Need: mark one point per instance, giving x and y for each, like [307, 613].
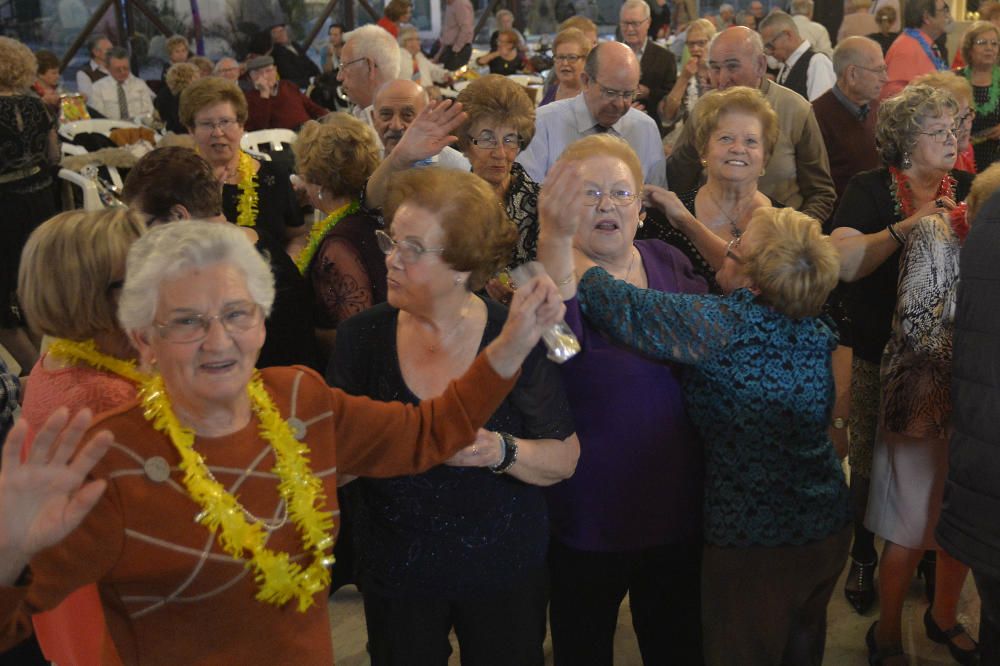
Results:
[28, 148]
[505, 58]
[254, 193]
[462, 545]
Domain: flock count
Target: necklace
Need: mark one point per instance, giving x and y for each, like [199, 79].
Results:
[86, 352]
[319, 232]
[452, 333]
[991, 103]
[628, 271]
[247, 205]
[734, 227]
[278, 578]
[902, 195]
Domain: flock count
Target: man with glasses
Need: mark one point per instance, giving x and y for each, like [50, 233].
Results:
[657, 65]
[845, 113]
[369, 60]
[276, 104]
[915, 52]
[803, 69]
[610, 84]
[798, 173]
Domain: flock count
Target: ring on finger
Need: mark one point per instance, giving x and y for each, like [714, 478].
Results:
[475, 449]
[939, 203]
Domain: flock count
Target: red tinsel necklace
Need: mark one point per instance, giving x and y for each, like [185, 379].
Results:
[902, 195]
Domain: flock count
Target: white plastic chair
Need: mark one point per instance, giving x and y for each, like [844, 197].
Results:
[68, 131]
[261, 142]
[91, 198]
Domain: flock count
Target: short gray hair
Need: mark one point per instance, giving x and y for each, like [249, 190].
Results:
[802, 7]
[117, 53]
[378, 45]
[901, 119]
[636, 4]
[849, 52]
[170, 250]
[779, 20]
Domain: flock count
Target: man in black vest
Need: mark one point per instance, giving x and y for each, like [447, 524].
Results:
[97, 68]
[805, 71]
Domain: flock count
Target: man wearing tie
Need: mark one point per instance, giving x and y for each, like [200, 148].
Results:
[121, 96]
[610, 85]
[914, 51]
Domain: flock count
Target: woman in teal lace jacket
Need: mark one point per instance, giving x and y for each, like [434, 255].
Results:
[758, 385]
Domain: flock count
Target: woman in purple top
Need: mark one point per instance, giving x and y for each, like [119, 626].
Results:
[629, 520]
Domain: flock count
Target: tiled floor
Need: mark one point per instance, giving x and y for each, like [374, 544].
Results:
[844, 647]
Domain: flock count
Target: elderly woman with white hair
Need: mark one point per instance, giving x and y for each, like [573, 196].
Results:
[252, 458]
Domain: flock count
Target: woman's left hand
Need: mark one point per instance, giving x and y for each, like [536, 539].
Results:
[535, 308]
[486, 450]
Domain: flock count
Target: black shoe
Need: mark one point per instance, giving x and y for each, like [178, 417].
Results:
[939, 635]
[925, 570]
[864, 576]
[877, 655]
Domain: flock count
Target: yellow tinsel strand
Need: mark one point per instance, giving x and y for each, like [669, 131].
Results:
[86, 352]
[278, 578]
[319, 232]
[247, 205]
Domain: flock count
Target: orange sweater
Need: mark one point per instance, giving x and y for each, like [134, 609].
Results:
[170, 594]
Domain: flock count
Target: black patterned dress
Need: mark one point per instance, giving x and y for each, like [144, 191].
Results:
[25, 188]
[988, 150]
[522, 208]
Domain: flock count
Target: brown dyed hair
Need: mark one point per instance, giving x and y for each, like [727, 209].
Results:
[711, 108]
[167, 177]
[339, 154]
[479, 237]
[501, 100]
[206, 92]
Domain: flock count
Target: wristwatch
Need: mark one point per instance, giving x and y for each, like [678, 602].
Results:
[839, 423]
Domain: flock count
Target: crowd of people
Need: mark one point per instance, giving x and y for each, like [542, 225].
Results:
[268, 375]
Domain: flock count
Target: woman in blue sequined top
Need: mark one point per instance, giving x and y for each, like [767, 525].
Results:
[758, 385]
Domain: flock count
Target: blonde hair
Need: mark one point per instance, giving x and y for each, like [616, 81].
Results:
[711, 108]
[177, 40]
[975, 30]
[958, 86]
[479, 237]
[339, 154]
[704, 25]
[18, 66]
[206, 92]
[500, 100]
[901, 118]
[605, 145]
[983, 187]
[203, 64]
[792, 263]
[572, 36]
[90, 248]
[180, 76]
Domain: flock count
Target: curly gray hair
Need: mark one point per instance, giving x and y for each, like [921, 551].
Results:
[171, 250]
[901, 119]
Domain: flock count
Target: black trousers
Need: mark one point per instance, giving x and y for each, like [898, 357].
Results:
[989, 619]
[452, 60]
[502, 628]
[587, 589]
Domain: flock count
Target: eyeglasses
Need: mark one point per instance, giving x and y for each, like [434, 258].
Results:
[225, 125]
[941, 135]
[351, 62]
[194, 327]
[610, 94]
[731, 249]
[874, 70]
[986, 42]
[619, 198]
[966, 117]
[633, 24]
[569, 57]
[409, 251]
[769, 46]
[487, 141]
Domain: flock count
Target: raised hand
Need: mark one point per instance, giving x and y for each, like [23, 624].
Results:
[535, 308]
[560, 204]
[46, 496]
[430, 132]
